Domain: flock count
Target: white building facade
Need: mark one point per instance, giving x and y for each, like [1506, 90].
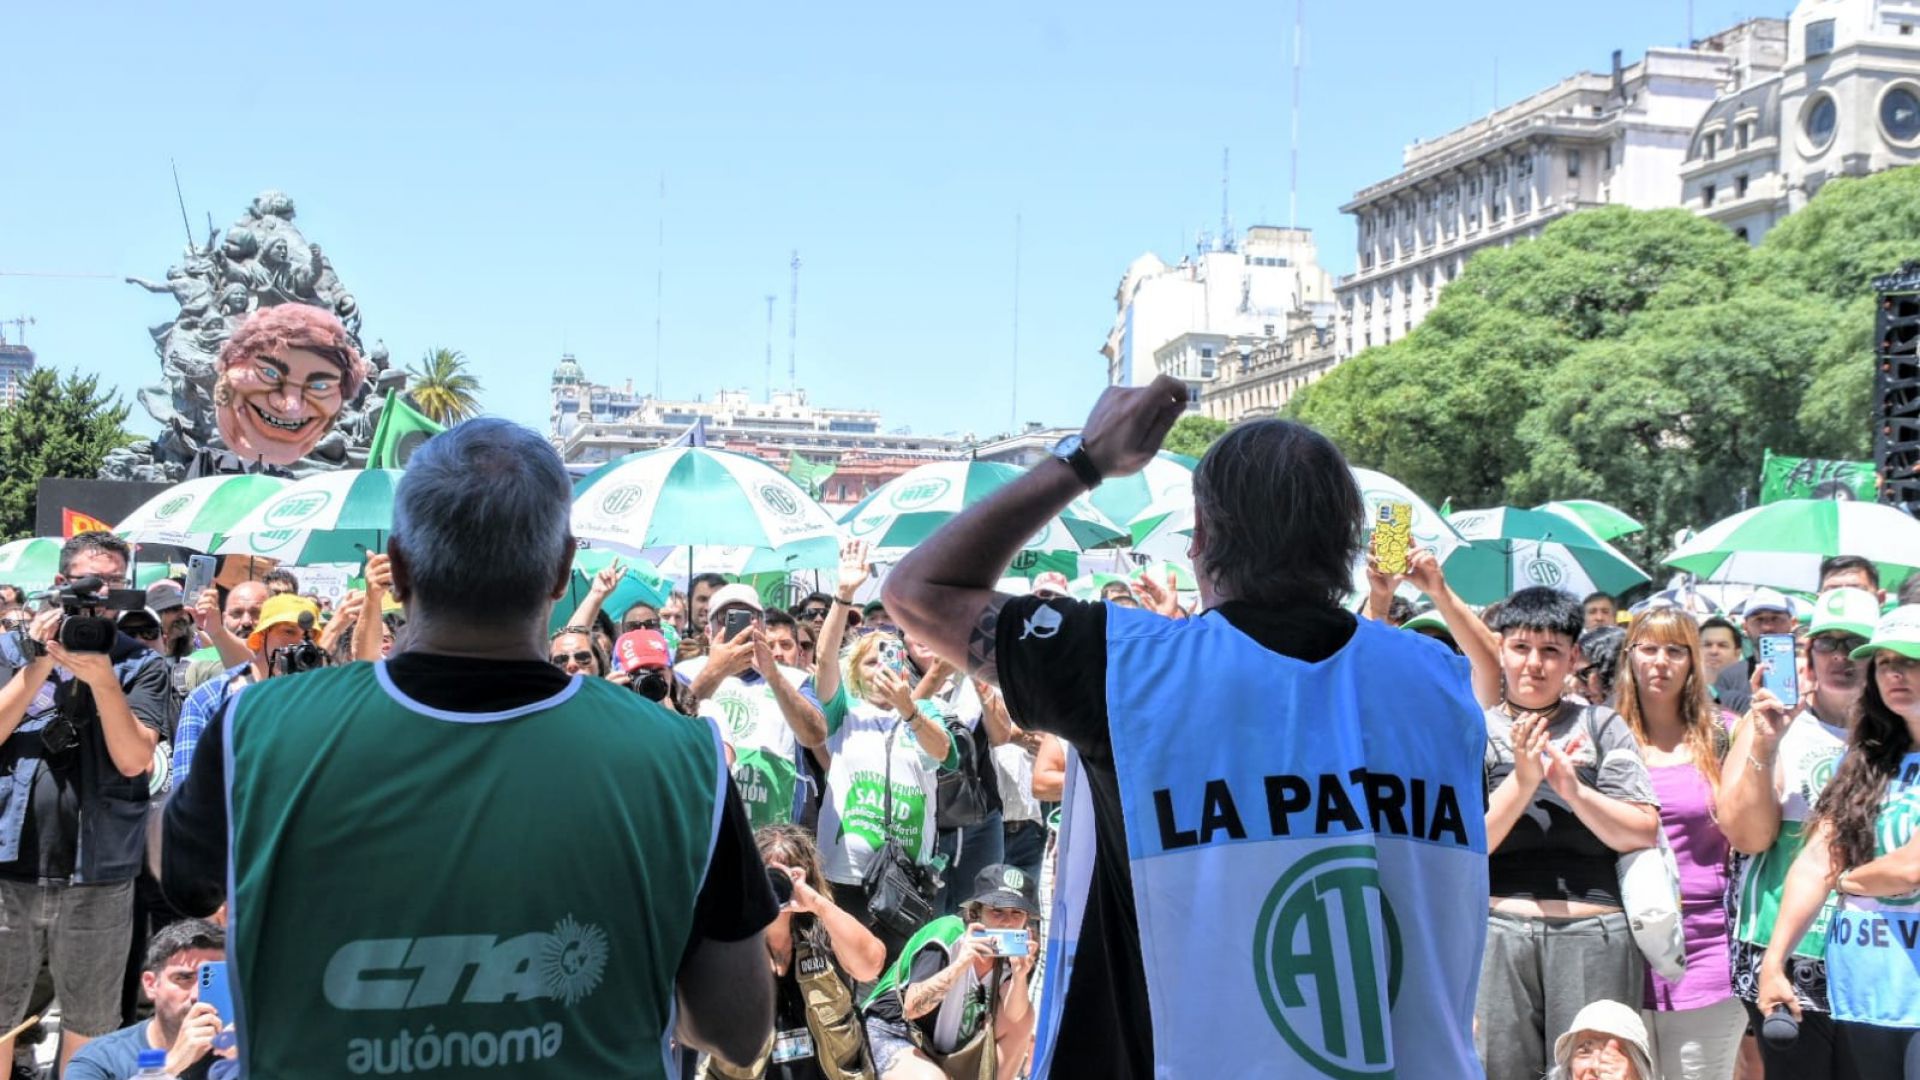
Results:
[1182, 319]
[1589, 140]
[1846, 103]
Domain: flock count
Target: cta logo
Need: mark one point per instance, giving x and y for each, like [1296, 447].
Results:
[295, 509]
[622, 499]
[566, 964]
[1327, 959]
[1543, 571]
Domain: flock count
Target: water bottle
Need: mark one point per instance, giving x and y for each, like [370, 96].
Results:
[153, 1065]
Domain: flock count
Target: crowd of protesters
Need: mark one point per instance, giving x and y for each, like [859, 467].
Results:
[950, 832]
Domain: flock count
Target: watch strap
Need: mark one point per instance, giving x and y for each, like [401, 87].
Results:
[1082, 465]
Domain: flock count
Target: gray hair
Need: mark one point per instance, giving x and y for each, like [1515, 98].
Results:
[1280, 516]
[481, 517]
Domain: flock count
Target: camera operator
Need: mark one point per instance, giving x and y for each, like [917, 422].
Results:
[282, 644]
[80, 730]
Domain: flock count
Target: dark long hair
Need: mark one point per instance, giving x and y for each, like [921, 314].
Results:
[1280, 516]
[1850, 804]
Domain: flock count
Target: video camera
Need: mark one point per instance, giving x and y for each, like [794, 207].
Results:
[301, 656]
[85, 629]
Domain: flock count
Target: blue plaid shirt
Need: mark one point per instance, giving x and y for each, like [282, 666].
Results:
[202, 706]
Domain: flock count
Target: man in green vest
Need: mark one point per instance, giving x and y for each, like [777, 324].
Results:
[461, 860]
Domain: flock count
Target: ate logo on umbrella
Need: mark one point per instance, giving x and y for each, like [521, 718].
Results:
[778, 501]
[293, 511]
[622, 499]
[920, 494]
[172, 507]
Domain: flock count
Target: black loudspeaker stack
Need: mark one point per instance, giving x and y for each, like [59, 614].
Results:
[1896, 388]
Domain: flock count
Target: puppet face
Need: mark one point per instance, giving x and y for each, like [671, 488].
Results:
[275, 408]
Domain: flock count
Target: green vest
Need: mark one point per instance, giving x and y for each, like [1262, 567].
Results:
[461, 894]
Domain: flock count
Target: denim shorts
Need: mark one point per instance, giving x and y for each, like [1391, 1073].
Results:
[83, 933]
[887, 1041]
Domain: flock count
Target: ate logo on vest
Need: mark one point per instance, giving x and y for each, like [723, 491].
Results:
[565, 964]
[1325, 937]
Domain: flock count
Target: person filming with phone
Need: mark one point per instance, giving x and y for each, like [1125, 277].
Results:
[82, 708]
[818, 951]
[956, 1004]
[187, 1028]
[767, 711]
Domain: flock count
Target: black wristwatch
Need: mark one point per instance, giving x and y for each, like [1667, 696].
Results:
[1074, 452]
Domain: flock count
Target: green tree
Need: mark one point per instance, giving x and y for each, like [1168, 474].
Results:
[1854, 230]
[441, 387]
[1193, 433]
[55, 428]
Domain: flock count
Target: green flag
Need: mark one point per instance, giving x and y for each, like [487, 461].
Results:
[1783, 477]
[811, 475]
[402, 429]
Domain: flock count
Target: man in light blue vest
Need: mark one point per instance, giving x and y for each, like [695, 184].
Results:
[1287, 859]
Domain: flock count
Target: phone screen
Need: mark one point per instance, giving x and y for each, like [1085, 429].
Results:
[1782, 674]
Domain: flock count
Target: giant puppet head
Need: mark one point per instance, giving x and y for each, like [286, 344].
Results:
[284, 376]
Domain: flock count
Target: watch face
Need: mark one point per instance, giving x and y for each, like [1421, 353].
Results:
[1065, 447]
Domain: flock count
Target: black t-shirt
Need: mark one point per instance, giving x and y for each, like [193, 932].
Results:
[50, 835]
[1057, 683]
[890, 1006]
[735, 901]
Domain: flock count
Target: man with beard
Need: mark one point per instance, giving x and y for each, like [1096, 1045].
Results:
[182, 1024]
[177, 637]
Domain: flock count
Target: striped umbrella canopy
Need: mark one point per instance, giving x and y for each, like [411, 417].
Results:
[1782, 543]
[1603, 521]
[1167, 481]
[686, 496]
[196, 514]
[332, 517]
[1509, 548]
[31, 563]
[909, 508]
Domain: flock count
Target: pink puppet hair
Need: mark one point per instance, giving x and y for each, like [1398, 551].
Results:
[297, 326]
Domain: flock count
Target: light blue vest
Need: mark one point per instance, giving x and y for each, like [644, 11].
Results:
[1873, 944]
[1308, 852]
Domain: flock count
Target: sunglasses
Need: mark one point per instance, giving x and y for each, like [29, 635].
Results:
[813, 614]
[641, 624]
[1837, 643]
[584, 659]
[143, 633]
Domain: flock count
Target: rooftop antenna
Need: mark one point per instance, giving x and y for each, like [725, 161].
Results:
[769, 347]
[1013, 406]
[1226, 216]
[659, 282]
[793, 324]
[1299, 51]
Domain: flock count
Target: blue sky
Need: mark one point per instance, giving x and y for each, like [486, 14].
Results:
[486, 177]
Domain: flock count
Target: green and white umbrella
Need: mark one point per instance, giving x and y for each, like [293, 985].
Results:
[31, 563]
[1781, 544]
[1603, 521]
[1509, 548]
[1166, 482]
[653, 502]
[198, 513]
[909, 508]
[333, 517]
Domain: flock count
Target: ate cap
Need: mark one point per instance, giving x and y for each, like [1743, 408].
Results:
[1004, 886]
[1845, 610]
[1898, 633]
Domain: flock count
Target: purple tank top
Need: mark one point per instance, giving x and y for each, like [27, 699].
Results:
[1701, 851]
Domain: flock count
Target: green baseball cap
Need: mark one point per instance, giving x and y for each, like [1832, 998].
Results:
[1899, 633]
[1846, 611]
[1427, 620]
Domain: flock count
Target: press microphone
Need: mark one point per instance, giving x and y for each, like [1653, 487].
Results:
[1780, 1029]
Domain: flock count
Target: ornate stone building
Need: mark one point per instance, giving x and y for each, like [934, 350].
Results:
[1588, 140]
[1847, 103]
[1255, 381]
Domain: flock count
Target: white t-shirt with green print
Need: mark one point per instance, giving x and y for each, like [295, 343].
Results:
[854, 808]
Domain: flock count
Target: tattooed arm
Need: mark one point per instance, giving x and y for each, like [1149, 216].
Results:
[942, 591]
